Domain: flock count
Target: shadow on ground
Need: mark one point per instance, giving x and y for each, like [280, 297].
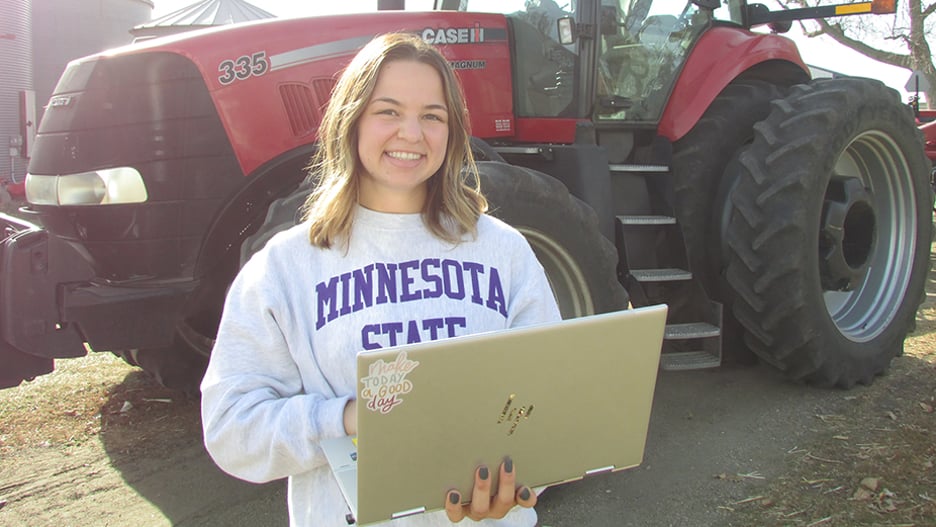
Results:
[156, 445]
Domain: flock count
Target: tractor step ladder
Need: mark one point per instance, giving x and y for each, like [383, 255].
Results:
[687, 344]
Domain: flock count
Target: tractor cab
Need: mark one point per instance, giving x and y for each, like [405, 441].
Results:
[612, 60]
[619, 60]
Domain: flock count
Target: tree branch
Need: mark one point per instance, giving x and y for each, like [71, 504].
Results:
[835, 31]
[928, 10]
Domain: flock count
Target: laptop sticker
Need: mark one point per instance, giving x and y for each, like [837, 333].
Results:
[386, 383]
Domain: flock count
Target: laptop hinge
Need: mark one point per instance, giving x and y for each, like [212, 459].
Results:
[594, 471]
[401, 514]
[350, 519]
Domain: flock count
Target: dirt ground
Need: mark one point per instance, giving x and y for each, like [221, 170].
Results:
[98, 443]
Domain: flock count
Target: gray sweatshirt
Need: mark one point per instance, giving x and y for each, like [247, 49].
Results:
[283, 366]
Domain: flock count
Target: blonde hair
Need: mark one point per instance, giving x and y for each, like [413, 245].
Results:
[452, 205]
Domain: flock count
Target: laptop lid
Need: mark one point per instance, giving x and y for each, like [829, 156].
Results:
[564, 400]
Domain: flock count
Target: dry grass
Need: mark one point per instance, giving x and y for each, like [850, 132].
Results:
[63, 408]
[86, 397]
[873, 464]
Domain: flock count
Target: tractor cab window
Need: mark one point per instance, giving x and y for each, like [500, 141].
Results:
[643, 44]
[544, 69]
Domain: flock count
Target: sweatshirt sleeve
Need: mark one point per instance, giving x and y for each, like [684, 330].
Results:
[260, 422]
[531, 298]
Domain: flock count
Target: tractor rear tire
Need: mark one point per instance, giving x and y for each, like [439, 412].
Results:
[829, 232]
[563, 231]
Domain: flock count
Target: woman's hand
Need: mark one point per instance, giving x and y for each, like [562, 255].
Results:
[483, 505]
[350, 417]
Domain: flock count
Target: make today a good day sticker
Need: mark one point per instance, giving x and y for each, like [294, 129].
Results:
[386, 383]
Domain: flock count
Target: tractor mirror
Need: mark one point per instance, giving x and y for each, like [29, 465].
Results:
[883, 7]
[781, 26]
[566, 30]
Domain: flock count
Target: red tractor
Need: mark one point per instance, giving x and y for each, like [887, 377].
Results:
[650, 151]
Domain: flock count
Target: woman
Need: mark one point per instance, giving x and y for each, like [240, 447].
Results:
[392, 206]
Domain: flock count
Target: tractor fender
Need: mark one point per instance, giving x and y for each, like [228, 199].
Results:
[929, 135]
[722, 55]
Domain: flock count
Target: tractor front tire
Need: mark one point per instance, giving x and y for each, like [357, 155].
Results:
[829, 232]
[699, 161]
[182, 365]
[179, 366]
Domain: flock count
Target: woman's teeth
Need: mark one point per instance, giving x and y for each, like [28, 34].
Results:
[404, 156]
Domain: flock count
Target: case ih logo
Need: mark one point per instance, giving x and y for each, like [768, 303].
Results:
[461, 35]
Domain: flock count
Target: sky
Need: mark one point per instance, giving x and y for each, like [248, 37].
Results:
[821, 51]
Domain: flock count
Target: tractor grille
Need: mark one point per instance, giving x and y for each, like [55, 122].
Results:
[304, 104]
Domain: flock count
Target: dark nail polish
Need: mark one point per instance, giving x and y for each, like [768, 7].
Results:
[525, 493]
[454, 498]
[483, 473]
[508, 465]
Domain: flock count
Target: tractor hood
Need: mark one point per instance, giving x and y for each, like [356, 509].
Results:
[271, 79]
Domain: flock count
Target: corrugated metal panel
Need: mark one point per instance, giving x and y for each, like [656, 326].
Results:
[16, 65]
[211, 13]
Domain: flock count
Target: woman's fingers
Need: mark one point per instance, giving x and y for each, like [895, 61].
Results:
[453, 507]
[505, 499]
[480, 494]
[483, 505]
[526, 497]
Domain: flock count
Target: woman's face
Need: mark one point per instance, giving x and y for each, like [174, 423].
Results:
[402, 137]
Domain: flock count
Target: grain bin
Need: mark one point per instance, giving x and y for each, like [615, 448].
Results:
[16, 63]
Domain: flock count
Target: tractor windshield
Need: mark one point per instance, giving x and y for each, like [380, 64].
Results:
[643, 44]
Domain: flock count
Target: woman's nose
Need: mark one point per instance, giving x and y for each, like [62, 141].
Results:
[410, 129]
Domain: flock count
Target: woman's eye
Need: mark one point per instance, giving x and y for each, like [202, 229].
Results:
[434, 117]
[387, 111]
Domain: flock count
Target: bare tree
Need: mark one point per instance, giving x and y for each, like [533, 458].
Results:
[905, 38]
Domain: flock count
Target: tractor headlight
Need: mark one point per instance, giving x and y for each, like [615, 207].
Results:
[100, 187]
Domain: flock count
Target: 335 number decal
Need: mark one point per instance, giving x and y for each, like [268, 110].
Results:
[242, 68]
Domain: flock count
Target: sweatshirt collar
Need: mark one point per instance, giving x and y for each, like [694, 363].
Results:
[372, 219]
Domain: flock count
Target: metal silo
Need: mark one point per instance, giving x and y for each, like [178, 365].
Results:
[16, 80]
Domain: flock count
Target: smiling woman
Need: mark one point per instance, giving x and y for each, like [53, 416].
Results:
[397, 248]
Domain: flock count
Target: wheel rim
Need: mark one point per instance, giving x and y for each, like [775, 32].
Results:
[197, 341]
[566, 279]
[886, 242]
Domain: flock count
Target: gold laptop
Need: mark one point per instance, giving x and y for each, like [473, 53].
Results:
[564, 400]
